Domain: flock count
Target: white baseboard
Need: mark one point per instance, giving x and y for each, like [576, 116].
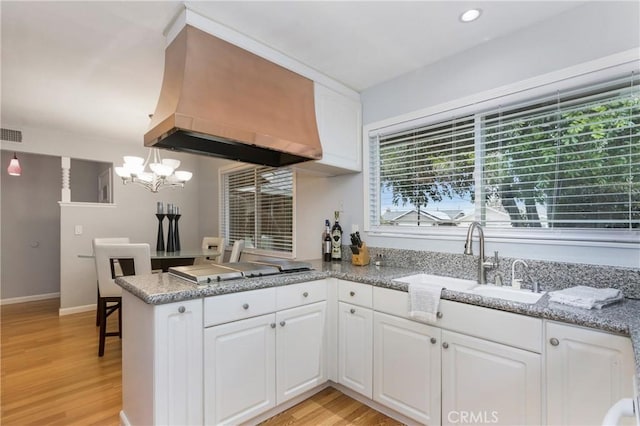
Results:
[76, 309]
[33, 298]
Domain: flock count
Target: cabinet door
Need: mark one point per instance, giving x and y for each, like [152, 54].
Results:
[486, 382]
[300, 350]
[178, 365]
[239, 370]
[587, 372]
[406, 369]
[355, 355]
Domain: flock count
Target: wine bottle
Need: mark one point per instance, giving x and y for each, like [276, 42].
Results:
[336, 238]
[326, 243]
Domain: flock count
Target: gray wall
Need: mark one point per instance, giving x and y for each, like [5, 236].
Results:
[585, 33]
[30, 229]
[84, 180]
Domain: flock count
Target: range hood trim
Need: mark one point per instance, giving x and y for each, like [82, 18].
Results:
[204, 96]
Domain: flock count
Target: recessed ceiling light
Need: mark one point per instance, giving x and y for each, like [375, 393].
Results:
[470, 15]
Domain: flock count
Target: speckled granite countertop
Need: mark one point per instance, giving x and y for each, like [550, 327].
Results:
[623, 318]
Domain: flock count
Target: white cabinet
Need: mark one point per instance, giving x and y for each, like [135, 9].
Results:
[339, 120]
[489, 382]
[406, 369]
[587, 371]
[300, 350]
[239, 379]
[254, 364]
[355, 348]
[162, 362]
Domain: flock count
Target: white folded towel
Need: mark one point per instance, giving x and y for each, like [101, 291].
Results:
[423, 301]
[586, 297]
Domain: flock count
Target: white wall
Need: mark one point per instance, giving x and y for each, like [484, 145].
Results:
[586, 33]
[592, 31]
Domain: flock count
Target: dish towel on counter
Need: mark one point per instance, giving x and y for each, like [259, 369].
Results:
[586, 297]
[423, 301]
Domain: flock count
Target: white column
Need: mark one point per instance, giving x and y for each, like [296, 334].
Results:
[66, 179]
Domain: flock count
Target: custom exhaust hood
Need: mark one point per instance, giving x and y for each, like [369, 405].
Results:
[220, 100]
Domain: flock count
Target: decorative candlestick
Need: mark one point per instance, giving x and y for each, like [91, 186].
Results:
[171, 246]
[176, 234]
[160, 241]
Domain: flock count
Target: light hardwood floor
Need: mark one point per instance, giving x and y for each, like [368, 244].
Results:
[51, 375]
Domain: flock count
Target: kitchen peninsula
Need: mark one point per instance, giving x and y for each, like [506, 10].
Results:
[176, 334]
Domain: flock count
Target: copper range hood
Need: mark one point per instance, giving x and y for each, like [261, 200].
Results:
[220, 100]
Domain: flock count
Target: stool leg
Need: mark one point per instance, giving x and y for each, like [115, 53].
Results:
[120, 319]
[103, 325]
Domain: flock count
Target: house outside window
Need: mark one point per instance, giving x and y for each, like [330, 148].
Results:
[257, 207]
[567, 161]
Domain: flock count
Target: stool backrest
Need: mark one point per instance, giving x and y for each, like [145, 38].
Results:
[236, 251]
[140, 253]
[214, 243]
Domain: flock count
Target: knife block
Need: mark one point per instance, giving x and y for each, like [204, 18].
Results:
[362, 258]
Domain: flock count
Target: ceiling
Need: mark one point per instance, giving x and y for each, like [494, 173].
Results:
[96, 67]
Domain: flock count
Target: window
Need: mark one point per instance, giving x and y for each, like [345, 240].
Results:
[257, 206]
[568, 161]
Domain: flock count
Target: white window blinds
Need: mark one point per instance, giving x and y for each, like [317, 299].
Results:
[258, 208]
[571, 160]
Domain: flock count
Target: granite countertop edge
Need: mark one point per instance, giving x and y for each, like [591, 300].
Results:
[622, 318]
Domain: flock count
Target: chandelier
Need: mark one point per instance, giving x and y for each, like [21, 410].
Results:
[163, 172]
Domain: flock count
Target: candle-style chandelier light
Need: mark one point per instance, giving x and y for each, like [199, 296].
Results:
[162, 174]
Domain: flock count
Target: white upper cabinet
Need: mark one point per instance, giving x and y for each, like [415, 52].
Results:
[339, 119]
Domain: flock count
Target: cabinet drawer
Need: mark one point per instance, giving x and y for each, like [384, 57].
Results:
[355, 293]
[510, 329]
[236, 306]
[301, 294]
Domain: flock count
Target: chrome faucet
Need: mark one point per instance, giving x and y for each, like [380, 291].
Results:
[483, 264]
[535, 287]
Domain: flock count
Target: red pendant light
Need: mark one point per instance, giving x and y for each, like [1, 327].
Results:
[14, 168]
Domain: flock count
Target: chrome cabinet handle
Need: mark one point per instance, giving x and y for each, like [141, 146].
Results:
[273, 325]
[282, 323]
[352, 310]
[445, 345]
[554, 341]
[433, 340]
[352, 293]
[245, 306]
[305, 294]
[439, 314]
[181, 309]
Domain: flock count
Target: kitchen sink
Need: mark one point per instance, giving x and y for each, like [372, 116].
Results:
[456, 284]
[506, 293]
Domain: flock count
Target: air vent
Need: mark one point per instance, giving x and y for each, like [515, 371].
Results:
[11, 135]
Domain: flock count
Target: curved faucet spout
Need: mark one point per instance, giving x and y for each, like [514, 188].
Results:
[483, 265]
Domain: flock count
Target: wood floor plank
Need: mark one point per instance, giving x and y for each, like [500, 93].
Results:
[51, 375]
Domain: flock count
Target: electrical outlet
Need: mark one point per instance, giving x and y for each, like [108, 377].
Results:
[78, 230]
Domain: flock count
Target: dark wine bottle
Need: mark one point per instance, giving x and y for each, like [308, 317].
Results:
[336, 238]
[326, 243]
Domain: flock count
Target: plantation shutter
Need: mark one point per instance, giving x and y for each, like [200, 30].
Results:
[258, 208]
[571, 160]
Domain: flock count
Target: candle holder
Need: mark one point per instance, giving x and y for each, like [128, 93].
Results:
[176, 234]
[160, 240]
[171, 243]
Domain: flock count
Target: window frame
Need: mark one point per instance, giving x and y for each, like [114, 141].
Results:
[479, 105]
[222, 196]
